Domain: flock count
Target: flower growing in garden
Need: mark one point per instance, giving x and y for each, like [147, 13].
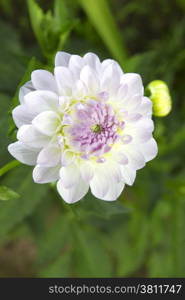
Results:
[86, 125]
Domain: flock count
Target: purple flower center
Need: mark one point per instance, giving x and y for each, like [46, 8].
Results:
[94, 128]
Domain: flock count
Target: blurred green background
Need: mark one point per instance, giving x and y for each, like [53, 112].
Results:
[143, 233]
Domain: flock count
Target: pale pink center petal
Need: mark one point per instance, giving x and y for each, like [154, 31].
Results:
[94, 129]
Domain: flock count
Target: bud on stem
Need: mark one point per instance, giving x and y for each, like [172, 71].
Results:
[159, 94]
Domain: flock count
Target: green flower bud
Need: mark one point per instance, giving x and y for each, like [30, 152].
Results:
[159, 94]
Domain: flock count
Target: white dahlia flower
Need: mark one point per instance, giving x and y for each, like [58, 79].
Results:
[86, 125]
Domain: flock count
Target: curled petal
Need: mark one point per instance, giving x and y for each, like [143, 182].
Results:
[62, 59]
[92, 60]
[128, 174]
[114, 191]
[25, 154]
[110, 79]
[21, 115]
[149, 149]
[70, 175]
[39, 101]
[43, 80]
[47, 122]
[90, 79]
[43, 174]
[136, 159]
[86, 171]
[134, 83]
[67, 158]
[24, 90]
[99, 186]
[73, 194]
[28, 135]
[145, 107]
[65, 80]
[49, 156]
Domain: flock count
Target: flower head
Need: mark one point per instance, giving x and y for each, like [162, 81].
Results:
[86, 125]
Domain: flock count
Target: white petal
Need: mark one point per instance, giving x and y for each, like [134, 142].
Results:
[104, 175]
[128, 174]
[144, 136]
[76, 63]
[133, 117]
[73, 194]
[22, 115]
[126, 139]
[67, 158]
[99, 185]
[90, 79]
[114, 191]
[145, 107]
[134, 82]
[64, 102]
[122, 92]
[47, 122]
[65, 80]
[110, 80]
[49, 156]
[146, 123]
[69, 175]
[80, 89]
[24, 90]
[143, 131]
[121, 158]
[62, 59]
[86, 171]
[149, 149]
[23, 153]
[136, 158]
[109, 62]
[31, 137]
[43, 80]
[132, 102]
[39, 101]
[92, 60]
[113, 171]
[45, 174]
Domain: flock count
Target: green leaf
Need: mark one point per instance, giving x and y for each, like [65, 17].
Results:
[167, 245]
[6, 7]
[96, 261]
[130, 250]
[51, 30]
[90, 206]
[4, 140]
[14, 212]
[59, 268]
[7, 193]
[36, 18]
[12, 58]
[61, 14]
[101, 17]
[54, 249]
[53, 241]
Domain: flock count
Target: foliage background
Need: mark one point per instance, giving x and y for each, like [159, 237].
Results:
[143, 233]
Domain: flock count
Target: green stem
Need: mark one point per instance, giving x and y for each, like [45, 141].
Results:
[9, 166]
[102, 18]
[72, 213]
